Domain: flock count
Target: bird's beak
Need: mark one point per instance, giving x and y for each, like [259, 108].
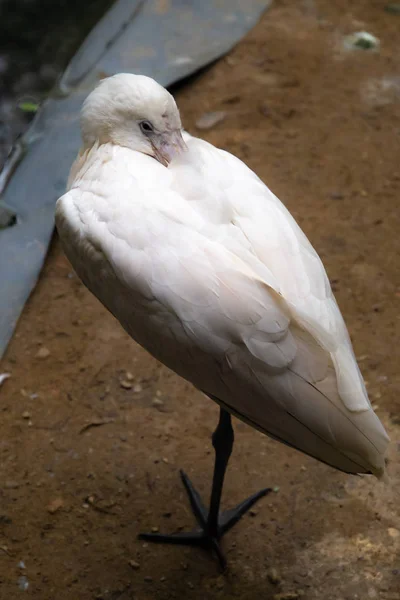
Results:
[168, 145]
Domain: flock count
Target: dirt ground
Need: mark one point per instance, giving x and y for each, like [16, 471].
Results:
[93, 430]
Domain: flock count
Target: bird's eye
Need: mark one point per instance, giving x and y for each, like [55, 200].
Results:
[146, 127]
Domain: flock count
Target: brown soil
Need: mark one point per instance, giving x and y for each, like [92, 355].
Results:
[86, 463]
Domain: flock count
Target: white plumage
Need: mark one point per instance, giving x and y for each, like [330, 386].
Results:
[206, 269]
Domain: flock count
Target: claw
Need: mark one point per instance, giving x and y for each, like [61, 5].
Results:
[201, 537]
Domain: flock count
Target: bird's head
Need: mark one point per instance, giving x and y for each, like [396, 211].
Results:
[136, 112]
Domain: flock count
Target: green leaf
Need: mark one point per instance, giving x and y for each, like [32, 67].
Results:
[28, 106]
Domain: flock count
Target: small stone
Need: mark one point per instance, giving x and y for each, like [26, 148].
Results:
[303, 468]
[210, 119]
[148, 579]
[287, 596]
[55, 505]
[137, 388]
[162, 578]
[23, 583]
[43, 352]
[26, 415]
[11, 485]
[253, 513]
[155, 529]
[157, 402]
[4, 376]
[394, 533]
[134, 565]
[127, 385]
[273, 576]
[232, 62]
[362, 40]
[129, 376]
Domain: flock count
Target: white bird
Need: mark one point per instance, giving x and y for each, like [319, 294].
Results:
[207, 270]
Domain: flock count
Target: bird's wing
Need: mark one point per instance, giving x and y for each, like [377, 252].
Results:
[198, 289]
[281, 246]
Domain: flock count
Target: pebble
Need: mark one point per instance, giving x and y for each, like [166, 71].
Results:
[43, 352]
[137, 388]
[127, 385]
[287, 596]
[232, 62]
[157, 402]
[362, 40]
[210, 119]
[26, 415]
[55, 505]
[394, 533]
[148, 579]
[155, 529]
[23, 583]
[4, 376]
[11, 485]
[134, 565]
[273, 576]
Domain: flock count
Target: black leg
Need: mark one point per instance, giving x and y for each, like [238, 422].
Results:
[212, 524]
[222, 440]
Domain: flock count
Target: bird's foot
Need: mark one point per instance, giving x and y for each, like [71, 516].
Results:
[206, 535]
